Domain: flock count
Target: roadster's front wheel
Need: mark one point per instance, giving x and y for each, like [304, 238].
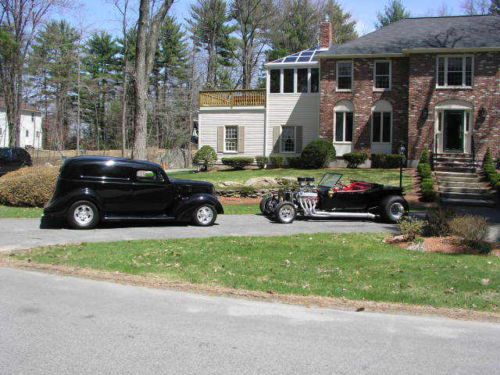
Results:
[394, 208]
[205, 215]
[285, 213]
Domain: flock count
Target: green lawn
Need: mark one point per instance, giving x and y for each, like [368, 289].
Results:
[241, 209]
[384, 176]
[20, 212]
[354, 266]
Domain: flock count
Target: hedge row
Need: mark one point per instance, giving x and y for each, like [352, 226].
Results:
[425, 173]
[316, 154]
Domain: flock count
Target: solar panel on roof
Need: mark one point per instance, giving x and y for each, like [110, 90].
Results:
[304, 59]
[307, 53]
[290, 59]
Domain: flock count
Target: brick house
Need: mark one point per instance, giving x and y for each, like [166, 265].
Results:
[428, 83]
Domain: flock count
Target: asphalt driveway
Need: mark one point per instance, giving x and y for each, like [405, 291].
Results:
[18, 234]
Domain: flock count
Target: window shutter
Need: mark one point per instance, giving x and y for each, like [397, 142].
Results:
[298, 139]
[276, 139]
[220, 139]
[241, 139]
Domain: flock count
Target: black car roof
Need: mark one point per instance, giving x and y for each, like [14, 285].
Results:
[81, 160]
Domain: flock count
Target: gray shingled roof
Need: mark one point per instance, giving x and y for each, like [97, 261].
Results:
[429, 32]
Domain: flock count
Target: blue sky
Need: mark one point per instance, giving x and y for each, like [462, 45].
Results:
[101, 14]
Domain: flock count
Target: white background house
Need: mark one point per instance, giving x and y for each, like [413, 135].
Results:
[282, 119]
[31, 128]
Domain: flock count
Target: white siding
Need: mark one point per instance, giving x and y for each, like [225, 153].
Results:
[252, 119]
[293, 110]
[4, 130]
[32, 124]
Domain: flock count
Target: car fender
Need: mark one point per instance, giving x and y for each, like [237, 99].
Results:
[186, 206]
[62, 204]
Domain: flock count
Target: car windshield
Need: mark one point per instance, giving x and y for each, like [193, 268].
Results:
[330, 180]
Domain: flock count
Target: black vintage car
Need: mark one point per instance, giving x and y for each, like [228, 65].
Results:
[331, 198]
[92, 189]
[12, 158]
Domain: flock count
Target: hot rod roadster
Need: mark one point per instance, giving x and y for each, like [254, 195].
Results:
[332, 199]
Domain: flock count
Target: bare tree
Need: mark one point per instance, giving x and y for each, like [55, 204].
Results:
[253, 19]
[19, 20]
[148, 32]
[123, 9]
[474, 7]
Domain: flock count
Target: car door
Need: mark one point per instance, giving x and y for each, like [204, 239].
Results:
[153, 194]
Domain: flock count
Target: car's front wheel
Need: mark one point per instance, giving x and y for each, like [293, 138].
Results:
[83, 215]
[394, 209]
[205, 215]
[285, 213]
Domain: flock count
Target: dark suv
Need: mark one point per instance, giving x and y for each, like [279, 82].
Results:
[13, 158]
[91, 189]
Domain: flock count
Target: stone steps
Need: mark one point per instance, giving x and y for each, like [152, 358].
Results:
[459, 182]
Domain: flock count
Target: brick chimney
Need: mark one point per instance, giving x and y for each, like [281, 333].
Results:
[325, 33]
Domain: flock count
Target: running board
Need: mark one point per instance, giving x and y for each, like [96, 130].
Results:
[348, 215]
[137, 218]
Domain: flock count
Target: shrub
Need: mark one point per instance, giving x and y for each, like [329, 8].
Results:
[261, 161]
[354, 159]
[246, 191]
[237, 162]
[277, 161]
[28, 187]
[490, 171]
[424, 171]
[386, 161]
[473, 230]
[438, 222]
[205, 157]
[425, 158]
[410, 229]
[317, 154]
[294, 162]
[427, 189]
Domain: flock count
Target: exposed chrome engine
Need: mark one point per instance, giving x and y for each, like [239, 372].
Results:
[307, 201]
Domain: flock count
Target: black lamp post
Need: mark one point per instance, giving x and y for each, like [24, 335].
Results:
[402, 152]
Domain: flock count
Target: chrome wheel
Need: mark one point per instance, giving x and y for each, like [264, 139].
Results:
[397, 211]
[83, 215]
[205, 215]
[286, 213]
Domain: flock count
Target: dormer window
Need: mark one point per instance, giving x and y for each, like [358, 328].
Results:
[454, 71]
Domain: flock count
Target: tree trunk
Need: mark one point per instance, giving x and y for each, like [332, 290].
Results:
[147, 42]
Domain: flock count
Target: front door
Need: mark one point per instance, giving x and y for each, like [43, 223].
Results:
[453, 131]
[153, 194]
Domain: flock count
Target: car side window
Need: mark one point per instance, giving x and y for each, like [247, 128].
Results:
[144, 175]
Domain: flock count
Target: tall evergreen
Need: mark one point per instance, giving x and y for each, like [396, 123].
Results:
[343, 26]
[294, 28]
[394, 11]
[211, 32]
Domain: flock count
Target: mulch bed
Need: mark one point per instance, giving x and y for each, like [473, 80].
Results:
[238, 200]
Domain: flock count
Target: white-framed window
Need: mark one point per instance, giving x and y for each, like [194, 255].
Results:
[302, 80]
[288, 81]
[314, 80]
[288, 139]
[27, 133]
[231, 139]
[344, 124]
[275, 81]
[454, 71]
[382, 72]
[381, 127]
[344, 75]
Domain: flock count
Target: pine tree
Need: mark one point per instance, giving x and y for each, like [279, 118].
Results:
[495, 7]
[211, 32]
[344, 28]
[393, 12]
[295, 28]
[53, 68]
